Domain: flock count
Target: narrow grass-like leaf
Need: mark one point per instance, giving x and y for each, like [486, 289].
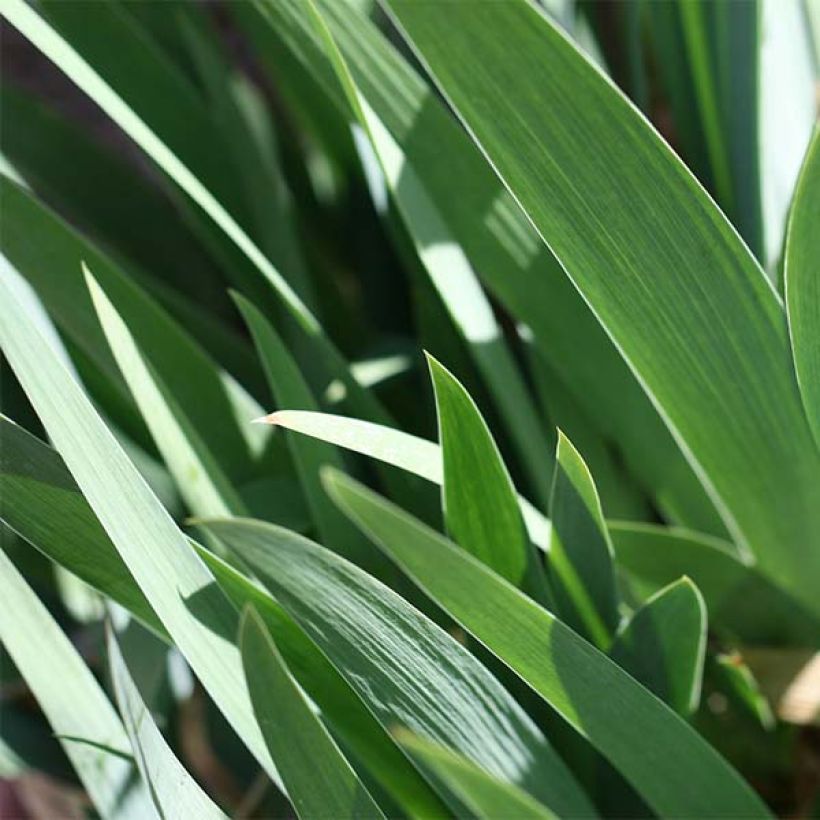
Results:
[203, 485]
[741, 601]
[685, 302]
[742, 685]
[174, 792]
[486, 796]
[319, 780]
[42, 502]
[481, 510]
[290, 390]
[802, 283]
[581, 567]
[666, 761]
[179, 587]
[663, 645]
[70, 697]
[411, 453]
[406, 669]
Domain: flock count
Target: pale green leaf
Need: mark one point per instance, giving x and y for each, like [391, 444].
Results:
[802, 282]
[173, 791]
[70, 697]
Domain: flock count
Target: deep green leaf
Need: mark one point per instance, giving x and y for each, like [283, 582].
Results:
[407, 670]
[664, 643]
[666, 761]
[684, 301]
[318, 777]
[500, 245]
[481, 510]
[802, 282]
[486, 796]
[581, 567]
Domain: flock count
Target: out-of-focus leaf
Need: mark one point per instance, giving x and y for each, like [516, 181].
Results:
[411, 453]
[101, 193]
[802, 283]
[319, 780]
[173, 791]
[49, 254]
[70, 697]
[176, 582]
[449, 271]
[580, 564]
[46, 507]
[481, 509]
[664, 643]
[666, 761]
[486, 796]
[788, 110]
[741, 683]
[741, 601]
[685, 302]
[500, 244]
[407, 670]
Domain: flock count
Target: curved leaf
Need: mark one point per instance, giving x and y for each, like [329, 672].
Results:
[319, 780]
[663, 645]
[802, 283]
[406, 669]
[684, 301]
[664, 759]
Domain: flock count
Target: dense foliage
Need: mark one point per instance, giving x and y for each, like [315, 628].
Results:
[524, 299]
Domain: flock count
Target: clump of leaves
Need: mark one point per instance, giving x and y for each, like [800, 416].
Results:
[568, 566]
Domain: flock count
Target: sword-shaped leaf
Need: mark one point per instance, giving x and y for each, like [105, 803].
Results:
[675, 771]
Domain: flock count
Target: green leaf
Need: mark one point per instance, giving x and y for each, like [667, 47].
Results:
[486, 796]
[203, 485]
[290, 389]
[683, 300]
[318, 777]
[42, 502]
[665, 760]
[485, 221]
[449, 271]
[802, 284]
[580, 560]
[407, 670]
[663, 645]
[742, 602]
[173, 791]
[411, 453]
[179, 587]
[742, 685]
[70, 697]
[481, 508]
[49, 254]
